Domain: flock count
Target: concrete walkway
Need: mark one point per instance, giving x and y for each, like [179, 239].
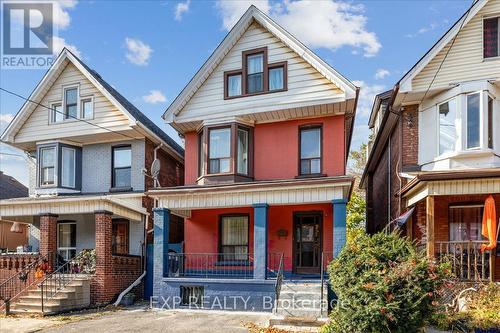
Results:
[139, 320]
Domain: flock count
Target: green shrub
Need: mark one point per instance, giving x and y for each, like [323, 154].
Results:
[383, 285]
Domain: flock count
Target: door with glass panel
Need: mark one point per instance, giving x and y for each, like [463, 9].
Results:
[66, 239]
[307, 243]
[234, 238]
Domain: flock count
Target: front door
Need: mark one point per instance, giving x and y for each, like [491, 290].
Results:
[307, 243]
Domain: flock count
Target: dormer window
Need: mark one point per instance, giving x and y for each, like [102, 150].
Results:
[71, 106]
[491, 37]
[256, 76]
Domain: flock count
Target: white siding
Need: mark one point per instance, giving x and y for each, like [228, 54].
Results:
[37, 127]
[427, 139]
[305, 84]
[465, 60]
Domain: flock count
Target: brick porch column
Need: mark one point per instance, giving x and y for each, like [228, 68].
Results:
[103, 252]
[160, 247]
[339, 225]
[48, 234]
[260, 217]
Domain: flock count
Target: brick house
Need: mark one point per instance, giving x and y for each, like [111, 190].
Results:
[435, 154]
[91, 151]
[267, 127]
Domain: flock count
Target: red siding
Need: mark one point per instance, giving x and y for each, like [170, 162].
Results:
[276, 149]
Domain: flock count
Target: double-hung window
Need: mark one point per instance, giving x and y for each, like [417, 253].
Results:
[491, 37]
[310, 150]
[234, 238]
[71, 103]
[234, 85]
[473, 120]
[47, 166]
[122, 166]
[87, 107]
[255, 73]
[447, 126]
[276, 77]
[219, 150]
[68, 167]
[57, 113]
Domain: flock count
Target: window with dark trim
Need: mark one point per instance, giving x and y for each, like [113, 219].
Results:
[310, 147]
[66, 239]
[491, 37]
[242, 144]
[122, 167]
[47, 166]
[233, 239]
[201, 154]
[120, 236]
[256, 76]
[219, 150]
[71, 103]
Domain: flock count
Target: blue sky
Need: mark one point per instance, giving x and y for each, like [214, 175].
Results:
[149, 50]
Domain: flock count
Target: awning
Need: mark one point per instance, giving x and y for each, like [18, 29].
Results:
[401, 220]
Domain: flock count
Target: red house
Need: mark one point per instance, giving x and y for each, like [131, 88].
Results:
[267, 126]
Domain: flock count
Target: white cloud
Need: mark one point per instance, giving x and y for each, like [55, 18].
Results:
[319, 24]
[5, 120]
[181, 8]
[430, 27]
[59, 43]
[138, 52]
[61, 18]
[154, 97]
[381, 73]
[367, 95]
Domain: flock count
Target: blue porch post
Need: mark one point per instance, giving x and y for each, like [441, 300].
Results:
[260, 240]
[160, 249]
[339, 225]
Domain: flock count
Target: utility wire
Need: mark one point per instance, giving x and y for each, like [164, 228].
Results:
[10, 154]
[64, 114]
[449, 49]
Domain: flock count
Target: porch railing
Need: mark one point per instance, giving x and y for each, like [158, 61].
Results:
[210, 265]
[12, 263]
[27, 275]
[279, 281]
[467, 261]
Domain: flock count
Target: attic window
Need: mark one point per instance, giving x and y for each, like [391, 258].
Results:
[491, 37]
[71, 103]
[256, 76]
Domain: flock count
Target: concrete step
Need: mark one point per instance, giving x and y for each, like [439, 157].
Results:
[299, 296]
[308, 313]
[297, 324]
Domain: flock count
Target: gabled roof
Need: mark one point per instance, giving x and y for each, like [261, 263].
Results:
[254, 14]
[135, 116]
[406, 80]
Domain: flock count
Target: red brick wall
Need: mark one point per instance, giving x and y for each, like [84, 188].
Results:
[171, 172]
[48, 234]
[410, 135]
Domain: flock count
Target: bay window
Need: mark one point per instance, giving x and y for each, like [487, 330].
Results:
[447, 126]
[310, 150]
[490, 122]
[47, 166]
[122, 167]
[491, 37]
[242, 151]
[233, 238]
[219, 149]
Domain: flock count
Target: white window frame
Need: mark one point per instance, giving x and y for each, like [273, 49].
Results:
[40, 166]
[66, 249]
[81, 101]
[458, 129]
[68, 87]
[53, 113]
[481, 121]
[74, 167]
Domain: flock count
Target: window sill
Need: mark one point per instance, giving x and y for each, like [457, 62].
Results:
[312, 175]
[474, 152]
[120, 189]
[256, 93]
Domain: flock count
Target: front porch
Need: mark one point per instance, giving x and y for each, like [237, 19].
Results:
[100, 237]
[447, 221]
[245, 248]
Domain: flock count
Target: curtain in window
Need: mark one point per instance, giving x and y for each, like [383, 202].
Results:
[491, 37]
[465, 223]
[235, 237]
[447, 127]
[220, 140]
[68, 167]
[276, 78]
[255, 64]
[234, 85]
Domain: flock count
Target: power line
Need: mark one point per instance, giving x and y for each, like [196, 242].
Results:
[10, 154]
[64, 114]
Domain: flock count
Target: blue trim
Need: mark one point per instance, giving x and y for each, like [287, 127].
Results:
[339, 225]
[161, 233]
[260, 240]
[260, 205]
[339, 201]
